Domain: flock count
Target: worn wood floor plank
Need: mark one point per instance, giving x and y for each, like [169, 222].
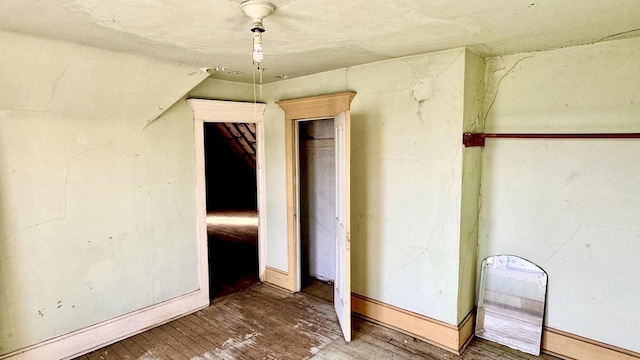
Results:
[265, 329]
[122, 352]
[187, 330]
[159, 343]
[265, 323]
[138, 351]
[153, 350]
[228, 341]
[233, 341]
[103, 354]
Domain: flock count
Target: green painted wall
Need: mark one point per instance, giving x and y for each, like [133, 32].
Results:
[570, 206]
[406, 176]
[97, 200]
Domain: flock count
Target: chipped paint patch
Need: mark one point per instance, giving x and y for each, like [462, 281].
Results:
[422, 91]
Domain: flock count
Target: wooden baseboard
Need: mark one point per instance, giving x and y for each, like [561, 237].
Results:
[456, 338]
[446, 336]
[108, 332]
[466, 330]
[569, 346]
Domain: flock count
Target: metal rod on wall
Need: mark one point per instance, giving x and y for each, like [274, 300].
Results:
[478, 139]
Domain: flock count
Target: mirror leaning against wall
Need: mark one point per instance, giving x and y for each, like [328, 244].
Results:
[511, 302]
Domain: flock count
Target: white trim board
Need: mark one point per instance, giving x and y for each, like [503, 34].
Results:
[94, 337]
[229, 112]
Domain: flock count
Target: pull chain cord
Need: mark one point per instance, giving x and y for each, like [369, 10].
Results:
[255, 98]
[253, 72]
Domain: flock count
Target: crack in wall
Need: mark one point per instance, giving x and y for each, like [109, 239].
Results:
[475, 123]
[495, 94]
[441, 219]
[54, 88]
[563, 244]
[508, 189]
[66, 182]
[346, 77]
[47, 106]
[617, 34]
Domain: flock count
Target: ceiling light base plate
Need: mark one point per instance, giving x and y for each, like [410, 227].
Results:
[257, 10]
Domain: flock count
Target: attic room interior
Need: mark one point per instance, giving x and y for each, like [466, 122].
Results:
[109, 112]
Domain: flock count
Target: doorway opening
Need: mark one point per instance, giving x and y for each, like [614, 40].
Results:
[232, 206]
[316, 194]
[296, 111]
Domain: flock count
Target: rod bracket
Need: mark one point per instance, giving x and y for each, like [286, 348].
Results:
[472, 139]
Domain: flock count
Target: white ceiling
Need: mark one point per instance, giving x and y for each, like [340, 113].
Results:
[305, 37]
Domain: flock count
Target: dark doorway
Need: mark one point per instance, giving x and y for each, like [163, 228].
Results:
[232, 217]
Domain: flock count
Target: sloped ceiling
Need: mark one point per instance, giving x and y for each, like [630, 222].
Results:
[305, 37]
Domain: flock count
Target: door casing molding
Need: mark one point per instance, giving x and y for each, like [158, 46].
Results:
[308, 108]
[218, 111]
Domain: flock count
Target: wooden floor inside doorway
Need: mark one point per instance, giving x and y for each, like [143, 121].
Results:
[262, 322]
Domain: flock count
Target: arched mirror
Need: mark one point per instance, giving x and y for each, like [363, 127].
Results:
[511, 302]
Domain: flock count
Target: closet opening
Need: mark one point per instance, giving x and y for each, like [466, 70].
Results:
[316, 194]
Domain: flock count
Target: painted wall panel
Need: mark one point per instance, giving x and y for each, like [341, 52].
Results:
[570, 206]
[97, 198]
[470, 192]
[406, 172]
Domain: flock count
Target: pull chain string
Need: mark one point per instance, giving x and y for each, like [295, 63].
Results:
[255, 98]
[253, 72]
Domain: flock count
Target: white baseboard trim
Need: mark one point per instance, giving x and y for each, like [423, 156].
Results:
[94, 337]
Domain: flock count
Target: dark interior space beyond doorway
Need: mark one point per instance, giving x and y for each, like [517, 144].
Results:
[232, 217]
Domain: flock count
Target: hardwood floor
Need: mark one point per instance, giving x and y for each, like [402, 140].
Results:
[262, 322]
[233, 225]
[233, 251]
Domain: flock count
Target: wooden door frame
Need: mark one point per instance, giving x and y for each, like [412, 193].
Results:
[218, 111]
[308, 108]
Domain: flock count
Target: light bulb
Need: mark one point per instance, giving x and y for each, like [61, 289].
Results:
[258, 55]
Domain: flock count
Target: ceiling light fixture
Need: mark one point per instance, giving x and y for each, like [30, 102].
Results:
[257, 10]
